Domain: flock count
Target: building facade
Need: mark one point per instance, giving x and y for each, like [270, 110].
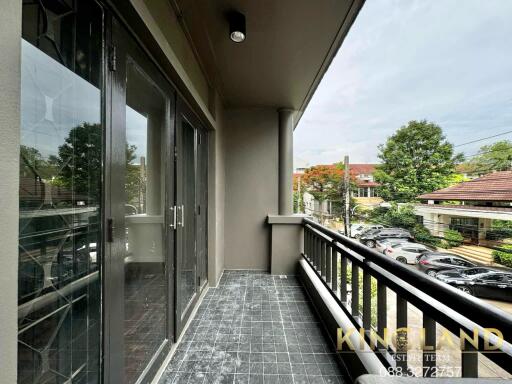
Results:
[470, 207]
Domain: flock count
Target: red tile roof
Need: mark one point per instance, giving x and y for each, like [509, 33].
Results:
[495, 186]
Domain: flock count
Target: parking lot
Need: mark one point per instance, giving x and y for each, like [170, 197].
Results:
[492, 284]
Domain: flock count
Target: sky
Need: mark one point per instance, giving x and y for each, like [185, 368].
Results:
[446, 61]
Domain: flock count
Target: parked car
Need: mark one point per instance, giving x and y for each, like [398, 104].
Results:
[483, 282]
[381, 245]
[369, 238]
[407, 253]
[357, 229]
[433, 262]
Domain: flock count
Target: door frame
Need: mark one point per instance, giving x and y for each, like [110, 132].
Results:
[184, 113]
[121, 47]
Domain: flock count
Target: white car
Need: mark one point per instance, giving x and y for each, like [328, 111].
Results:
[357, 229]
[382, 245]
[407, 253]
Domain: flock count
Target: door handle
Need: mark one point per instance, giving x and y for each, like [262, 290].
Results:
[181, 220]
[173, 217]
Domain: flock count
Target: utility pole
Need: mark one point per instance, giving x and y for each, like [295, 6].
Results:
[346, 185]
[299, 193]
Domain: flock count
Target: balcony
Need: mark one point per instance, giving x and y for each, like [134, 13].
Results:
[256, 327]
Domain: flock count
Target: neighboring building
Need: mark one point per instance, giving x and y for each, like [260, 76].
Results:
[468, 207]
[365, 195]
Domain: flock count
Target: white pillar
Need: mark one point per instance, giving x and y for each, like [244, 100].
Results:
[285, 161]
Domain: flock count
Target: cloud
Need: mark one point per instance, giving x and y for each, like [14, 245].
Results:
[404, 60]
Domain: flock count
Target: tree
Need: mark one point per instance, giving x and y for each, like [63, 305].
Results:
[80, 161]
[417, 159]
[492, 157]
[325, 183]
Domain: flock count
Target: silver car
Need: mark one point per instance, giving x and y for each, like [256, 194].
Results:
[382, 245]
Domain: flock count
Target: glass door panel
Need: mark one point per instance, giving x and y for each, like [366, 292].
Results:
[60, 248]
[145, 288]
[141, 185]
[187, 263]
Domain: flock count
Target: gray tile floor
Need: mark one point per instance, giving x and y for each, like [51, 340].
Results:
[254, 328]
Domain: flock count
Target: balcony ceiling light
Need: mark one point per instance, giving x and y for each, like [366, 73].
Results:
[236, 26]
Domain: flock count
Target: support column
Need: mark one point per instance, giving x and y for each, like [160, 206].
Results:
[285, 161]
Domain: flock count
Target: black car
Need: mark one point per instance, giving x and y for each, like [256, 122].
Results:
[369, 238]
[433, 262]
[483, 282]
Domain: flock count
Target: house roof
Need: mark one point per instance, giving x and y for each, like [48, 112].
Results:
[359, 169]
[495, 186]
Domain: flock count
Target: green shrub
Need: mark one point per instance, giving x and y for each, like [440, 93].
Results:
[503, 256]
[453, 237]
[498, 234]
[423, 235]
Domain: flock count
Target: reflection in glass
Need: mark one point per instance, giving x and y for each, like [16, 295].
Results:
[145, 286]
[60, 194]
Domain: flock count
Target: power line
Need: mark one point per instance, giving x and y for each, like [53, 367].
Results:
[482, 139]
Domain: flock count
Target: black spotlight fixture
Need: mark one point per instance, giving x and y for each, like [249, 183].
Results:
[236, 26]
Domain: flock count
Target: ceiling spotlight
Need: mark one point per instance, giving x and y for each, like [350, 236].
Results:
[236, 26]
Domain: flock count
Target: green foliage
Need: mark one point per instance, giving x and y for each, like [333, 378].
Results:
[503, 256]
[80, 161]
[298, 202]
[395, 216]
[496, 156]
[423, 235]
[452, 238]
[417, 159]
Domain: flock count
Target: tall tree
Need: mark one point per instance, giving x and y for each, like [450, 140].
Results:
[325, 183]
[492, 157]
[416, 159]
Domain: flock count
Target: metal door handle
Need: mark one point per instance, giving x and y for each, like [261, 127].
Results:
[173, 217]
[181, 221]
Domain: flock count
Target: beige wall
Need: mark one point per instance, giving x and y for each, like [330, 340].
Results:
[216, 199]
[10, 48]
[161, 20]
[251, 158]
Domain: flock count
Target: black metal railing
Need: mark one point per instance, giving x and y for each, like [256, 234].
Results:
[340, 261]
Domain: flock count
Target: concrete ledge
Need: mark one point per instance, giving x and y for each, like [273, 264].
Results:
[377, 379]
[356, 363]
[286, 219]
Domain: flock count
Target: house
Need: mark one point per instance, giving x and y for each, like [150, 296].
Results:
[469, 207]
[147, 232]
[365, 195]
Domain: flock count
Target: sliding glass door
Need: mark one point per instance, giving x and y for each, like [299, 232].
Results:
[191, 212]
[140, 185]
[113, 201]
[60, 242]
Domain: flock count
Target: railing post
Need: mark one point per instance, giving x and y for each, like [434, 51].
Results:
[343, 278]
[429, 346]
[334, 270]
[382, 311]
[322, 257]
[355, 291]
[328, 263]
[367, 301]
[469, 360]
[401, 342]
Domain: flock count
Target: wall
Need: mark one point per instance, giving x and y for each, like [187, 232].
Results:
[216, 199]
[10, 48]
[251, 158]
[161, 20]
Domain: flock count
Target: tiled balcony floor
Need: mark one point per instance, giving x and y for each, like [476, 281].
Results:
[254, 328]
